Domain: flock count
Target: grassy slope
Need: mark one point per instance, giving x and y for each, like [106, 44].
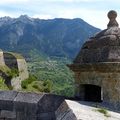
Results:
[55, 70]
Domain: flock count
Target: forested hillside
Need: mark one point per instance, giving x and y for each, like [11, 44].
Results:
[47, 45]
[55, 37]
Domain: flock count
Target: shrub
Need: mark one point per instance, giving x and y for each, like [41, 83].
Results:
[13, 73]
[38, 86]
[3, 86]
[25, 82]
[47, 86]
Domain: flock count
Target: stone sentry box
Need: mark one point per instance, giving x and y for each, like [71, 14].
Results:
[32, 106]
[97, 66]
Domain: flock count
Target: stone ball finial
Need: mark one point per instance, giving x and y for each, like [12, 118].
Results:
[112, 17]
[112, 14]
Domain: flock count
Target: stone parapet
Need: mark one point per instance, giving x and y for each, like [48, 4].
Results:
[32, 106]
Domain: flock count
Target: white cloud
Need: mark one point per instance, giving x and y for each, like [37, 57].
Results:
[76, 0]
[10, 14]
[84, 0]
[2, 14]
[12, 1]
[43, 16]
[81, 0]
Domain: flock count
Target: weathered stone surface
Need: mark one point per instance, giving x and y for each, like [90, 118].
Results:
[24, 116]
[13, 62]
[6, 99]
[49, 103]
[104, 47]
[46, 116]
[8, 114]
[108, 81]
[27, 102]
[23, 74]
[10, 60]
[62, 109]
[99, 54]
[97, 67]
[112, 16]
[31, 106]
[109, 31]
[2, 62]
[68, 115]
[106, 67]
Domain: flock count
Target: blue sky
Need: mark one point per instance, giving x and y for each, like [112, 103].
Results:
[92, 11]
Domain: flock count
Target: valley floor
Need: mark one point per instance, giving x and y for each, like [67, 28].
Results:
[85, 112]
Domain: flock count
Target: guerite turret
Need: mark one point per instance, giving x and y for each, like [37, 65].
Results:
[97, 66]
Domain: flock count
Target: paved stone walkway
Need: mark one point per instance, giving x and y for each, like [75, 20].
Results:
[85, 112]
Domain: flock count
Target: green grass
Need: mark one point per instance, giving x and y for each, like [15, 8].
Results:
[13, 72]
[3, 86]
[26, 82]
[9, 72]
[103, 111]
[33, 85]
[5, 69]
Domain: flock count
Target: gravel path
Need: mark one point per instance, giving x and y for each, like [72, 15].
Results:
[85, 112]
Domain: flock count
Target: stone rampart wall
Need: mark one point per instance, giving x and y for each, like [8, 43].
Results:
[31, 106]
[2, 63]
[109, 83]
[23, 74]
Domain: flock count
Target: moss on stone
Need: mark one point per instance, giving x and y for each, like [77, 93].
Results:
[9, 72]
[13, 73]
[103, 111]
[5, 69]
[3, 86]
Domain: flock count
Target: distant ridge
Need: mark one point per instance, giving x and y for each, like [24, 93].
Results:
[54, 37]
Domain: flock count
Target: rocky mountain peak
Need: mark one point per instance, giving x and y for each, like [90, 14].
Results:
[25, 19]
[5, 20]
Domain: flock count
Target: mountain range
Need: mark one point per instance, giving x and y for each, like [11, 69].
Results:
[53, 37]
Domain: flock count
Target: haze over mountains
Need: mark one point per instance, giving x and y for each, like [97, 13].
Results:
[54, 37]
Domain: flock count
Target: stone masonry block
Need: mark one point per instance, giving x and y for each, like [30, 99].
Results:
[46, 116]
[49, 103]
[8, 114]
[27, 102]
[6, 99]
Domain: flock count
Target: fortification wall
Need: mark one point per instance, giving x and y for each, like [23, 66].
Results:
[16, 63]
[2, 63]
[31, 106]
[10, 60]
[23, 74]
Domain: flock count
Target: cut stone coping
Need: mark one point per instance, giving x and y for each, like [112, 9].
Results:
[33, 106]
[100, 66]
[16, 55]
